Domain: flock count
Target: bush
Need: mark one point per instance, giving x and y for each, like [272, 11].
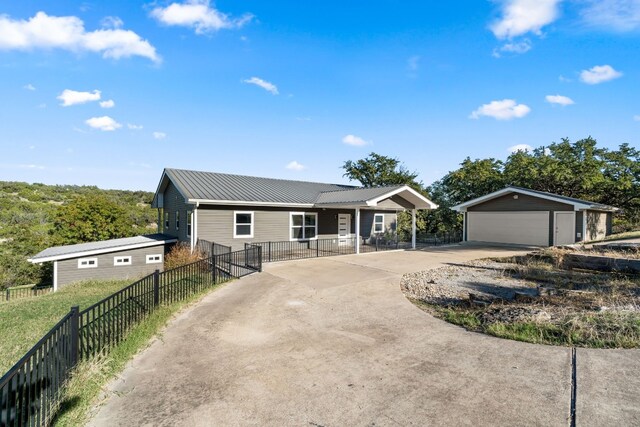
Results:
[180, 254]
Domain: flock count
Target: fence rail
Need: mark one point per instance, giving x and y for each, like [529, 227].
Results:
[32, 390]
[16, 292]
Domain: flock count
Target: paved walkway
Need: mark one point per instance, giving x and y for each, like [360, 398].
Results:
[333, 342]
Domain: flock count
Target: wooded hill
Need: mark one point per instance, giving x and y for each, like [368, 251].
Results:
[33, 217]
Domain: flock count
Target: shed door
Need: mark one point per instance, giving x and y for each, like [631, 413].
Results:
[520, 228]
[565, 223]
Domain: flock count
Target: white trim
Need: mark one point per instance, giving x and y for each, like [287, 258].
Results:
[291, 214]
[462, 207]
[584, 226]
[252, 225]
[55, 276]
[122, 260]
[248, 203]
[375, 223]
[374, 202]
[195, 223]
[464, 226]
[357, 230]
[100, 251]
[189, 230]
[151, 259]
[413, 228]
[555, 224]
[94, 265]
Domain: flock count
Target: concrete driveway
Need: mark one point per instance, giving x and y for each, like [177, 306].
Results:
[333, 342]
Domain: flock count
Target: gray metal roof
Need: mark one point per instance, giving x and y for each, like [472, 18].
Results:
[104, 246]
[358, 195]
[196, 185]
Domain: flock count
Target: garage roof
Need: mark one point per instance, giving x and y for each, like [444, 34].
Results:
[578, 204]
[57, 253]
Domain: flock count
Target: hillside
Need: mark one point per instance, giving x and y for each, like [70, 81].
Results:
[26, 214]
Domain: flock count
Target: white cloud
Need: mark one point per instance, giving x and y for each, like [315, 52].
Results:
[104, 123]
[111, 22]
[67, 32]
[520, 147]
[617, 15]
[559, 99]
[29, 87]
[269, 87]
[564, 79]
[294, 165]
[159, 135]
[71, 97]
[599, 74]
[513, 47]
[199, 15]
[354, 140]
[108, 103]
[520, 17]
[636, 117]
[505, 109]
[134, 127]
[413, 63]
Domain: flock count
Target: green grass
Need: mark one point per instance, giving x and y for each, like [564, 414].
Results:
[24, 321]
[90, 378]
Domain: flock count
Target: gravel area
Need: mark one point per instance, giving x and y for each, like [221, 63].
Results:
[453, 284]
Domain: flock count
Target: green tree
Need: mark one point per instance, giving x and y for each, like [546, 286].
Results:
[377, 170]
[90, 218]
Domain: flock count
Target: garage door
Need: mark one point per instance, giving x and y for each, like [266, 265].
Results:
[521, 228]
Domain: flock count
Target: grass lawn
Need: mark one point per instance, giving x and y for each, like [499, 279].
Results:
[24, 321]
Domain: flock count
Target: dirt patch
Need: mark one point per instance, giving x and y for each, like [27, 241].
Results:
[533, 299]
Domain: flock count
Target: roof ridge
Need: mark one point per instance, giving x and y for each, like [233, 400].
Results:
[363, 188]
[263, 177]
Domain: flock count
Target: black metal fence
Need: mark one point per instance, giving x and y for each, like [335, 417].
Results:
[292, 250]
[31, 391]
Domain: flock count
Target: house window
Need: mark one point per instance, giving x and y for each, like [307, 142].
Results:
[87, 262]
[189, 223]
[304, 225]
[177, 220]
[166, 221]
[154, 259]
[243, 224]
[378, 223]
[122, 260]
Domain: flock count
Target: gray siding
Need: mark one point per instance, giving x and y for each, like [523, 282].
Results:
[395, 202]
[524, 202]
[215, 223]
[68, 271]
[367, 226]
[174, 202]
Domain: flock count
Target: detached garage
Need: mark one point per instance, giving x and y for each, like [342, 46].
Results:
[521, 216]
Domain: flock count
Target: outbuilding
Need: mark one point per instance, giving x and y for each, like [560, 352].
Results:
[521, 216]
[126, 258]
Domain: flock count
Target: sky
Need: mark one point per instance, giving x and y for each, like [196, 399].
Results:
[109, 93]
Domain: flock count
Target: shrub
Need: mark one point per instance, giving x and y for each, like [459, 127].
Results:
[181, 254]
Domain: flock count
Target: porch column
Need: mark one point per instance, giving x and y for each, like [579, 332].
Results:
[413, 228]
[357, 230]
[55, 276]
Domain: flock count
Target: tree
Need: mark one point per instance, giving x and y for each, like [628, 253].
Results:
[90, 218]
[377, 170]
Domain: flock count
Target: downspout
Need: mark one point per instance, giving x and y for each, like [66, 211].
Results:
[357, 230]
[413, 228]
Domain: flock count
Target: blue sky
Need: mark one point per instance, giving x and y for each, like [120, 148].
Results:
[109, 93]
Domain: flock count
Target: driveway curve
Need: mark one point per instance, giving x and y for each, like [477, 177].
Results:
[334, 342]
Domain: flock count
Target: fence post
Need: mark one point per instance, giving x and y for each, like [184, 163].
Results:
[317, 248]
[75, 334]
[8, 294]
[260, 259]
[269, 251]
[214, 273]
[156, 288]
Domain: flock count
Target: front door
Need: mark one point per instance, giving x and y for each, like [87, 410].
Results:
[344, 229]
[565, 228]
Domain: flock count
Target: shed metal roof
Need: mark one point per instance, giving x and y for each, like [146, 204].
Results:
[57, 253]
